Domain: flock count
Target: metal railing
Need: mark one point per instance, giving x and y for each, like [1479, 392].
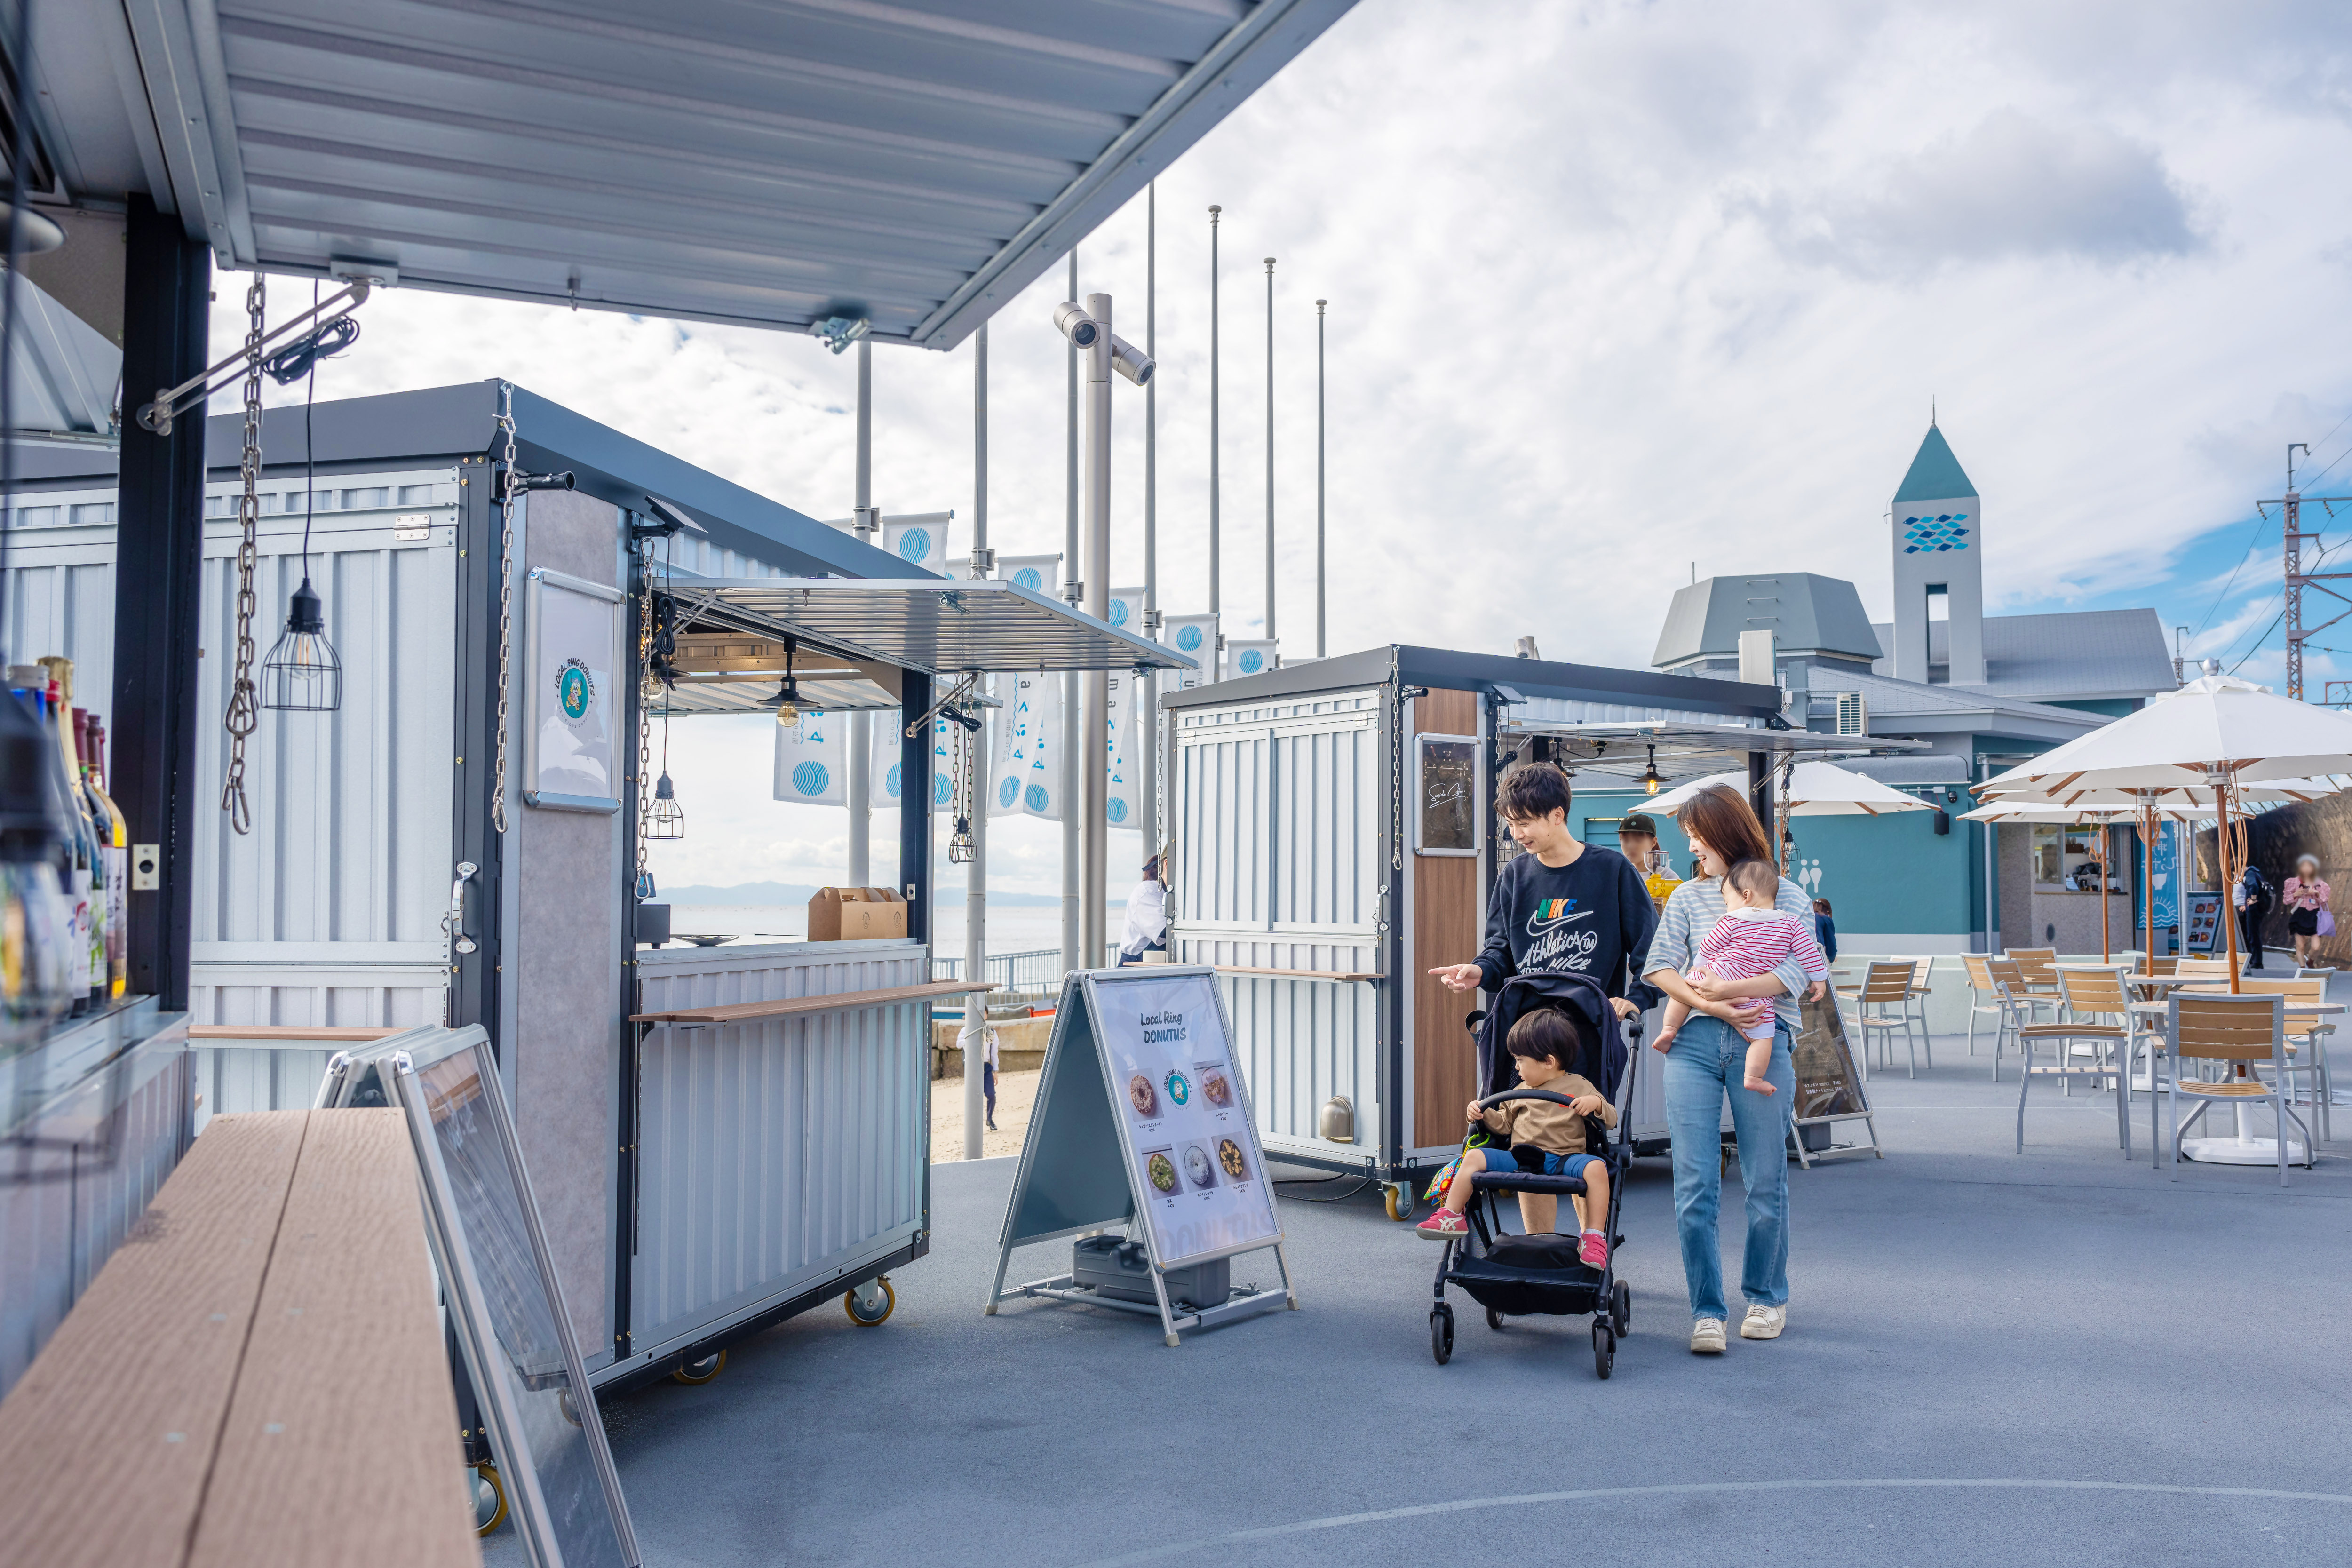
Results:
[1036, 970]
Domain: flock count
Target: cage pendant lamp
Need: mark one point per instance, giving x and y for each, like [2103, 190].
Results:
[301, 673]
[664, 818]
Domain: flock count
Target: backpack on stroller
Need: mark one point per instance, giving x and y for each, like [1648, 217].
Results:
[1516, 1275]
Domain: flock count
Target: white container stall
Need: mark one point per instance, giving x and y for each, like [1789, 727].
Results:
[698, 1181]
[1334, 841]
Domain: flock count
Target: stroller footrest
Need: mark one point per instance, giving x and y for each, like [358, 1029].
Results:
[1527, 1182]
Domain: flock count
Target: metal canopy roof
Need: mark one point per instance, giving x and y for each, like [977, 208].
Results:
[942, 628]
[1689, 749]
[916, 163]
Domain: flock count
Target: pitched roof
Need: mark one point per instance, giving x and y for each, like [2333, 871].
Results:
[1934, 473]
[2070, 654]
[1892, 699]
[1805, 613]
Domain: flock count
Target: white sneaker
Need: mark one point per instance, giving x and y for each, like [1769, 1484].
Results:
[1706, 1337]
[1764, 1322]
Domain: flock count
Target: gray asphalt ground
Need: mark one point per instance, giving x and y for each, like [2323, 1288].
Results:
[2058, 1358]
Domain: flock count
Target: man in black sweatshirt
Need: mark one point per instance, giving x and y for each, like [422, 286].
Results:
[1562, 906]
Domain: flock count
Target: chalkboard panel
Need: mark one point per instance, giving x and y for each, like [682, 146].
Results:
[1448, 795]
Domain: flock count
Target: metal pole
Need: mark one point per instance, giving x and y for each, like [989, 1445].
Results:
[1991, 893]
[1269, 448]
[1070, 588]
[1094, 761]
[1213, 573]
[856, 784]
[1147, 687]
[972, 1038]
[1318, 478]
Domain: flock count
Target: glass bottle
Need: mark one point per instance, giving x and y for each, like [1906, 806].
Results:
[84, 887]
[117, 835]
[32, 907]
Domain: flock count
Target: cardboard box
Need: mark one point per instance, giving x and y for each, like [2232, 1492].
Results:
[856, 914]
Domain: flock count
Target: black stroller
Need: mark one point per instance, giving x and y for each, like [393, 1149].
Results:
[1518, 1275]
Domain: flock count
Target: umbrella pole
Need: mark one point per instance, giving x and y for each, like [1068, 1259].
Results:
[2148, 874]
[2228, 882]
[2106, 847]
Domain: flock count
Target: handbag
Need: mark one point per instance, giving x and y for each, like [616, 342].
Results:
[2326, 922]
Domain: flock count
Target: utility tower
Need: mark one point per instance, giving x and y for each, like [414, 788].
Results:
[2297, 579]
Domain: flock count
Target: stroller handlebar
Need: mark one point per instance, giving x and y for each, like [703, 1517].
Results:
[1492, 1101]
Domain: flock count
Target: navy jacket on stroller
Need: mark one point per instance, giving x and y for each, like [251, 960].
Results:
[1512, 1276]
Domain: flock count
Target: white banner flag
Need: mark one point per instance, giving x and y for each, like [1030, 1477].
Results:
[1127, 610]
[920, 538]
[1025, 776]
[1122, 801]
[1250, 657]
[886, 776]
[1194, 636]
[1038, 573]
[810, 757]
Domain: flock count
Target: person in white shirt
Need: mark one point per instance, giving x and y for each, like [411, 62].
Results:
[987, 1065]
[1146, 917]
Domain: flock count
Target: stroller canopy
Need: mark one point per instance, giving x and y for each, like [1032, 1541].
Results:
[1581, 996]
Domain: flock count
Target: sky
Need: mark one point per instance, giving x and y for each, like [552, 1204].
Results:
[1617, 292]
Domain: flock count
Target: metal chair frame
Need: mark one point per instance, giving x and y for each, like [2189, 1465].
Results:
[2244, 1031]
[1885, 983]
[2100, 992]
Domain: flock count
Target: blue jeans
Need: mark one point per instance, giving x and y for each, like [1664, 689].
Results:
[1502, 1161]
[1707, 1061]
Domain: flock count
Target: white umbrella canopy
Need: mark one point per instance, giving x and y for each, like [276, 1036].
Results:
[2182, 800]
[2216, 724]
[1815, 789]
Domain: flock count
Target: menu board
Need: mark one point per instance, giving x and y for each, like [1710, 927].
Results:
[1198, 1177]
[2204, 921]
[1447, 822]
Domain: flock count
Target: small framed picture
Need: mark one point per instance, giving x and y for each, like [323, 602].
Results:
[571, 707]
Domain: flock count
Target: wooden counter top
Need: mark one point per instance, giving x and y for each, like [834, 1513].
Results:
[785, 1006]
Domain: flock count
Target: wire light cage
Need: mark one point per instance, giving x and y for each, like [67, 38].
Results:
[302, 673]
[665, 818]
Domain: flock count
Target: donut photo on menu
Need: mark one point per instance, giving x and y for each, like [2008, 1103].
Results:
[1159, 1169]
[1215, 1087]
[1143, 1097]
[1198, 1168]
[1229, 1155]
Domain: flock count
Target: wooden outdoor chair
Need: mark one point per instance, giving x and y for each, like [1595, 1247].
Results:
[2207, 968]
[1881, 1005]
[1983, 998]
[2306, 1039]
[2040, 967]
[1923, 977]
[2238, 1033]
[2088, 995]
[2009, 989]
[2157, 965]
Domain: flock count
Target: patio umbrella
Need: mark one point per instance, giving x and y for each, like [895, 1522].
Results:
[1813, 789]
[2217, 730]
[2012, 809]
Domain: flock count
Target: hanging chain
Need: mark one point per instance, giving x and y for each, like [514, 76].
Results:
[507, 488]
[960, 794]
[243, 711]
[646, 688]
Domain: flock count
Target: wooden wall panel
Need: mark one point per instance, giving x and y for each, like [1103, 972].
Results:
[1447, 922]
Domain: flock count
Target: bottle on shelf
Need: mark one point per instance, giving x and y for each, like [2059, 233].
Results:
[32, 907]
[86, 886]
[117, 835]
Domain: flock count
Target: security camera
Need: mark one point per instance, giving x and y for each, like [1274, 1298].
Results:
[1075, 325]
[1130, 362]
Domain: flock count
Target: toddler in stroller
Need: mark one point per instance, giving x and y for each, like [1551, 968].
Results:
[1551, 1140]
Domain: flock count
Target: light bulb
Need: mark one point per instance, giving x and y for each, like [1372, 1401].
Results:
[787, 715]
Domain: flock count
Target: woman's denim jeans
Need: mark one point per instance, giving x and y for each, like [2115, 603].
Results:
[1707, 1060]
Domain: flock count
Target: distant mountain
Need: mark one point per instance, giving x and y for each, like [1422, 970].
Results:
[788, 894]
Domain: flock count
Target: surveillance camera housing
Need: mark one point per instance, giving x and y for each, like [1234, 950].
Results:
[1075, 325]
[1131, 362]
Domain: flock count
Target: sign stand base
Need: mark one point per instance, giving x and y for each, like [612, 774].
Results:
[1060, 1288]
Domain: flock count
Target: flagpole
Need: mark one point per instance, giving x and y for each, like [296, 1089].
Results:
[1269, 449]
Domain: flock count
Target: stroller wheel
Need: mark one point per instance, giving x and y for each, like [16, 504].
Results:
[1400, 1198]
[1494, 1320]
[1604, 1349]
[1621, 1307]
[1440, 1333]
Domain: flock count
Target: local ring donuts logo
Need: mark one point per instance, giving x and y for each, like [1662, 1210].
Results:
[575, 689]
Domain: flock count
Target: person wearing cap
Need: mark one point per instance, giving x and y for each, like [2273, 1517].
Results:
[1637, 840]
[1146, 917]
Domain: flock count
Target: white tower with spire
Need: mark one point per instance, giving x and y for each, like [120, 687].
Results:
[1939, 539]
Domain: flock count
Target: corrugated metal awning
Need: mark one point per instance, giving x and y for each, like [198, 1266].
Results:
[1685, 749]
[941, 627]
[915, 164]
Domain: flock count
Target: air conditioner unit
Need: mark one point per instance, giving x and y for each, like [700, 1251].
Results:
[1853, 714]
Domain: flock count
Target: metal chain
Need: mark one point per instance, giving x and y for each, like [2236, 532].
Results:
[506, 489]
[244, 712]
[961, 796]
[645, 689]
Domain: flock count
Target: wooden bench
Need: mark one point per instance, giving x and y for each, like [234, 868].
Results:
[258, 1374]
[786, 1006]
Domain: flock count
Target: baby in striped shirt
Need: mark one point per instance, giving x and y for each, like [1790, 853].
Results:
[1751, 939]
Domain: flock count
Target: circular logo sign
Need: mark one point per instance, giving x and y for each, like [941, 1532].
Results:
[1118, 612]
[1027, 578]
[1251, 661]
[915, 544]
[1188, 639]
[809, 778]
[1037, 797]
[890, 781]
[942, 789]
[1179, 1089]
[1116, 809]
[575, 689]
[1007, 792]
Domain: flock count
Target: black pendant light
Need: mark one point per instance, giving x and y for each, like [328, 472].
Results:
[1650, 780]
[301, 673]
[787, 699]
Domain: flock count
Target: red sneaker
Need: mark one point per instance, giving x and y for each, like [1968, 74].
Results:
[1593, 1252]
[1443, 1225]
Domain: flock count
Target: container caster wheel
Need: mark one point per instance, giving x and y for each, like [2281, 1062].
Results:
[1494, 1320]
[870, 1305]
[1604, 1349]
[1400, 1198]
[1621, 1307]
[568, 1405]
[695, 1373]
[490, 1498]
[1440, 1333]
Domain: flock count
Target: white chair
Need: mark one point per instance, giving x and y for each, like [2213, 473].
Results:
[2306, 1041]
[2239, 1032]
[2088, 994]
[1881, 1005]
[1982, 999]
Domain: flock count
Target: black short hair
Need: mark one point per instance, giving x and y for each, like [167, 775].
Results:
[1531, 791]
[1759, 879]
[1547, 1033]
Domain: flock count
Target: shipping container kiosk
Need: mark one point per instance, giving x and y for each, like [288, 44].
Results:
[1334, 839]
[720, 1138]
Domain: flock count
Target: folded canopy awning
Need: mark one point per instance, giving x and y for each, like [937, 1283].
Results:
[849, 638]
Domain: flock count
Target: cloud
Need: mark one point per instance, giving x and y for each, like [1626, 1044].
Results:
[2011, 187]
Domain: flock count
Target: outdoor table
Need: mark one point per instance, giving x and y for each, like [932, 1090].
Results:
[2240, 1148]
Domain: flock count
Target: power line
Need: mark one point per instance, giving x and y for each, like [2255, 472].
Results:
[2262, 526]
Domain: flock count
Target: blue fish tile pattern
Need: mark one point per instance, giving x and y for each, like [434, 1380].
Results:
[1943, 531]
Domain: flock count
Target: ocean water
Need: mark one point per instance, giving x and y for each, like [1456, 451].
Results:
[1025, 928]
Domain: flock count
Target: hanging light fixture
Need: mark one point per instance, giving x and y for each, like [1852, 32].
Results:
[787, 699]
[662, 818]
[301, 673]
[1650, 780]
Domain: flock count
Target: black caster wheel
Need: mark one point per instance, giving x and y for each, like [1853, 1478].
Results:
[490, 1498]
[1604, 1349]
[1440, 1333]
[1621, 1307]
[699, 1370]
[870, 1305]
[1494, 1320]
